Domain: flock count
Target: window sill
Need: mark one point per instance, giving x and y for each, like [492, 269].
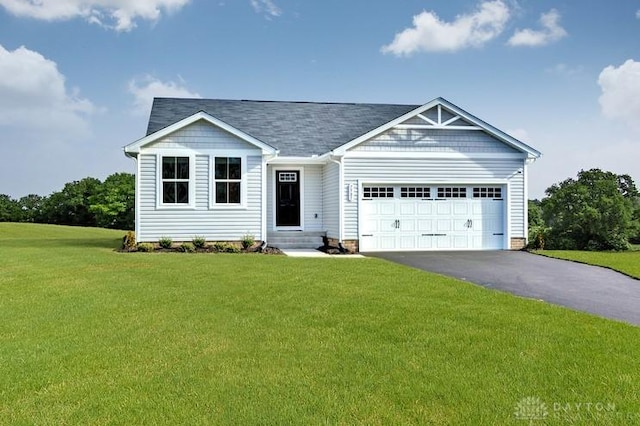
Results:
[175, 207]
[228, 207]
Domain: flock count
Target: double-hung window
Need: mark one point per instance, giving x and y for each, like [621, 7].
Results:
[228, 179]
[175, 180]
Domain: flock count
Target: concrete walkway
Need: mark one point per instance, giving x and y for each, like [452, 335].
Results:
[592, 289]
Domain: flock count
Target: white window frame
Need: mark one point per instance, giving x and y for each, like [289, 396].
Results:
[213, 205]
[191, 181]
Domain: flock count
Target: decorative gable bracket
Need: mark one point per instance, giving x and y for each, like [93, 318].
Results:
[437, 117]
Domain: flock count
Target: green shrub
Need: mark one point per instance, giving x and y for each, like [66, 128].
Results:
[224, 247]
[186, 248]
[198, 242]
[165, 242]
[145, 247]
[537, 237]
[232, 249]
[129, 241]
[247, 241]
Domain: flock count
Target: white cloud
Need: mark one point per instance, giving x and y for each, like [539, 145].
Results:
[565, 70]
[620, 97]
[34, 96]
[266, 7]
[119, 15]
[144, 91]
[551, 31]
[430, 34]
[638, 14]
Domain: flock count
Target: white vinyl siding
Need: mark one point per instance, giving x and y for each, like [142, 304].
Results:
[434, 140]
[271, 205]
[331, 206]
[201, 136]
[313, 198]
[434, 171]
[518, 202]
[202, 218]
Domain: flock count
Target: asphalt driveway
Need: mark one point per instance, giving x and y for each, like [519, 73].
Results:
[586, 288]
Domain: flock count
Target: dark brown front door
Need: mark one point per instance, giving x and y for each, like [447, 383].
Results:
[287, 198]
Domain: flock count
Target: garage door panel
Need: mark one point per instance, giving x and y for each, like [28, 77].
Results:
[425, 226]
[460, 208]
[425, 242]
[387, 207]
[400, 222]
[460, 241]
[443, 208]
[387, 242]
[443, 225]
[461, 225]
[407, 242]
[425, 208]
[488, 224]
[407, 208]
[408, 225]
[443, 242]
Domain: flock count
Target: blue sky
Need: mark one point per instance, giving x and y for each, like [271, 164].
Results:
[77, 77]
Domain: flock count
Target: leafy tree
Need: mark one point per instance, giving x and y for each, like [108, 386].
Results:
[113, 205]
[535, 213]
[537, 228]
[71, 205]
[594, 212]
[31, 207]
[9, 209]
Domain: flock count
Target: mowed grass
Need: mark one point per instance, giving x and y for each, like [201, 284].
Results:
[92, 336]
[627, 262]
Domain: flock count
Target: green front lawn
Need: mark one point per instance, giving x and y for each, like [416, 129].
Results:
[92, 336]
[627, 262]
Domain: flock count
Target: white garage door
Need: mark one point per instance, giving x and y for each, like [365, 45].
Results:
[404, 217]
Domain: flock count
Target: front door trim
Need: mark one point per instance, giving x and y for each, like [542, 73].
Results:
[274, 206]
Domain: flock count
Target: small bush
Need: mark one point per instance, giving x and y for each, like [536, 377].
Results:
[247, 241]
[186, 248]
[129, 241]
[223, 247]
[165, 242]
[198, 242]
[537, 237]
[232, 249]
[145, 247]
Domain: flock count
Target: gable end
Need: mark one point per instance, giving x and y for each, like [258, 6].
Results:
[447, 120]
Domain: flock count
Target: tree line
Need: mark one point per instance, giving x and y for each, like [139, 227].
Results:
[598, 210]
[86, 202]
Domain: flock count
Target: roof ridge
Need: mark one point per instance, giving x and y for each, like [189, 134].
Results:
[283, 102]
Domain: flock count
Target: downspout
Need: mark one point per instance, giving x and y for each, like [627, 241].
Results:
[340, 201]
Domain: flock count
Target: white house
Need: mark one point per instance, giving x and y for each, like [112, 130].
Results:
[372, 177]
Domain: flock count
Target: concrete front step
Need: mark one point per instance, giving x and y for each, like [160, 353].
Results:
[295, 239]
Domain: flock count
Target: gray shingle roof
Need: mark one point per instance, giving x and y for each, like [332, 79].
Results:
[295, 128]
